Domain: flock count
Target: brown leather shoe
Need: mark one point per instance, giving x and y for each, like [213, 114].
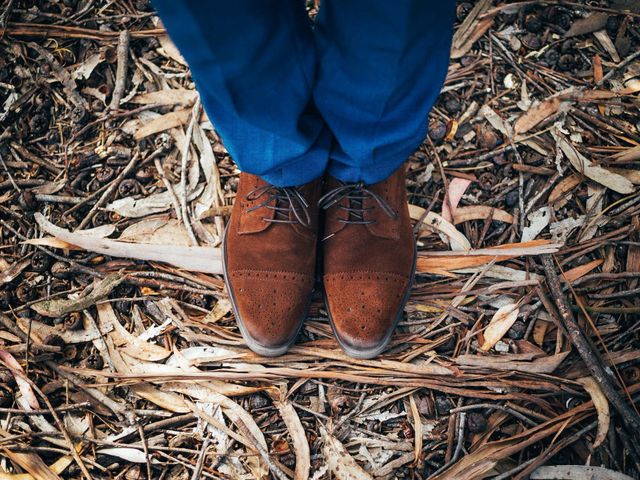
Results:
[269, 252]
[369, 261]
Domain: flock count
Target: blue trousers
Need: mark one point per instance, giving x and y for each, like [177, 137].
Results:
[349, 96]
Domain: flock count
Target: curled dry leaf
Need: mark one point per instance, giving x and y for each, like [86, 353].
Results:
[162, 123]
[500, 323]
[584, 166]
[131, 207]
[126, 453]
[538, 221]
[436, 223]
[198, 259]
[602, 407]
[18, 373]
[537, 114]
[480, 212]
[456, 189]
[13, 271]
[300, 443]
[340, 461]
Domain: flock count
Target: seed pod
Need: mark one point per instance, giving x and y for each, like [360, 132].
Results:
[105, 175]
[533, 23]
[567, 46]
[40, 261]
[60, 270]
[27, 201]
[100, 218]
[566, 62]
[511, 199]
[97, 105]
[487, 180]
[476, 422]
[6, 395]
[194, 299]
[145, 173]
[164, 142]
[69, 352]
[443, 405]
[78, 115]
[517, 330]
[73, 321]
[437, 131]
[38, 124]
[452, 105]
[487, 138]
[128, 187]
[58, 286]
[551, 57]
[257, 401]
[338, 401]
[462, 10]
[5, 299]
[613, 24]
[93, 361]
[53, 340]
[24, 293]
[532, 41]
[110, 55]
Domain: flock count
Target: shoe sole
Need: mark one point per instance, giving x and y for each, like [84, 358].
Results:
[367, 354]
[251, 342]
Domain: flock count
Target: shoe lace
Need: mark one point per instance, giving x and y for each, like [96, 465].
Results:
[283, 200]
[356, 193]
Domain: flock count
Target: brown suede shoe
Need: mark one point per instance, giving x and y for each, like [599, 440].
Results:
[269, 252]
[369, 261]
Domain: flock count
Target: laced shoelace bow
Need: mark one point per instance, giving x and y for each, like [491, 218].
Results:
[356, 193]
[283, 200]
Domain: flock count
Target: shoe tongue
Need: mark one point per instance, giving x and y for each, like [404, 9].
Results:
[253, 221]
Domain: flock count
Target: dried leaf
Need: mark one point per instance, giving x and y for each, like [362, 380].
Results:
[480, 212]
[60, 307]
[538, 221]
[537, 113]
[197, 259]
[18, 373]
[456, 189]
[593, 22]
[576, 472]
[126, 453]
[499, 325]
[340, 461]
[177, 96]
[611, 180]
[436, 223]
[40, 331]
[581, 270]
[162, 123]
[14, 270]
[504, 362]
[602, 407]
[131, 207]
[298, 436]
[563, 187]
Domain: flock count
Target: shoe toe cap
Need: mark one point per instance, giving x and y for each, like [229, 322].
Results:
[271, 306]
[364, 309]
